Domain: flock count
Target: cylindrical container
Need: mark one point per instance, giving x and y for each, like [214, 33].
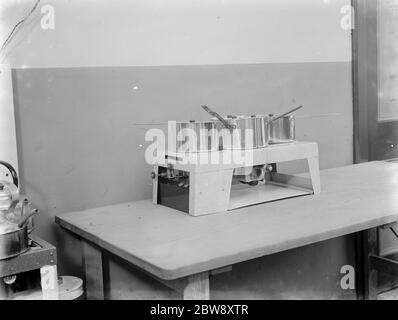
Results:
[249, 132]
[13, 242]
[243, 136]
[193, 136]
[70, 288]
[282, 130]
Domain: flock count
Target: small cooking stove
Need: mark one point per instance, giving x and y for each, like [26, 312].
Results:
[40, 254]
[184, 182]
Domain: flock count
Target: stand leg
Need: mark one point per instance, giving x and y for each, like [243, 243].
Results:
[209, 192]
[313, 166]
[3, 290]
[49, 282]
[359, 266]
[92, 263]
[197, 287]
[155, 185]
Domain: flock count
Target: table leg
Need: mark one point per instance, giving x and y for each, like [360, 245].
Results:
[197, 287]
[93, 272]
[371, 285]
[313, 166]
[367, 276]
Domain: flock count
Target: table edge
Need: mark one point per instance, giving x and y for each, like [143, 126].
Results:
[238, 257]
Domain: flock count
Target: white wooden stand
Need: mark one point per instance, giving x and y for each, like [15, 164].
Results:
[210, 185]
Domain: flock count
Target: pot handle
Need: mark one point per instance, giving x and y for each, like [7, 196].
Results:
[286, 113]
[222, 120]
[25, 218]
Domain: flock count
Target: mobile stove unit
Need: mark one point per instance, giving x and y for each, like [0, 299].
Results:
[202, 181]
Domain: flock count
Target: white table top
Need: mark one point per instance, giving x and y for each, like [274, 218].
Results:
[171, 244]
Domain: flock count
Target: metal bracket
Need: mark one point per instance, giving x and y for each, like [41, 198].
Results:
[388, 226]
[220, 270]
[384, 265]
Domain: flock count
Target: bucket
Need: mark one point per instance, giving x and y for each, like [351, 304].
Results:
[69, 288]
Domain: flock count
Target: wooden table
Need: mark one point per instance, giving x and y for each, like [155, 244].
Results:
[182, 251]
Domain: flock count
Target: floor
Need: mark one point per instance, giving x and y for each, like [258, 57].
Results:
[389, 295]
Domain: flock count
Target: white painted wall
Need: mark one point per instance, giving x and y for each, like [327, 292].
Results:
[8, 142]
[176, 32]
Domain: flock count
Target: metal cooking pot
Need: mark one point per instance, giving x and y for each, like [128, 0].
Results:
[14, 243]
[194, 136]
[282, 130]
[13, 225]
[14, 233]
[241, 132]
[264, 130]
[249, 132]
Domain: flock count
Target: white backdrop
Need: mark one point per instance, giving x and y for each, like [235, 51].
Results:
[176, 32]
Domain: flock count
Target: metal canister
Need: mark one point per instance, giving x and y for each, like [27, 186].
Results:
[241, 132]
[282, 130]
[13, 242]
[246, 132]
[194, 136]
